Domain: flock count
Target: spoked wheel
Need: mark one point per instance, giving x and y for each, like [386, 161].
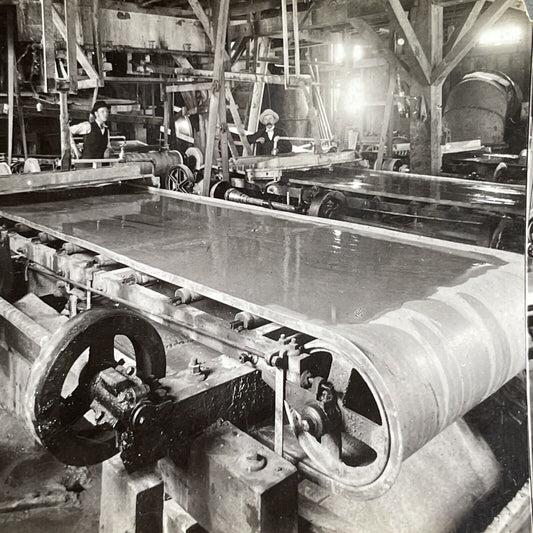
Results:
[61, 419]
[180, 179]
[341, 425]
[327, 204]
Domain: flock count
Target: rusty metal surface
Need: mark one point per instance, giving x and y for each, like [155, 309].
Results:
[495, 197]
[433, 328]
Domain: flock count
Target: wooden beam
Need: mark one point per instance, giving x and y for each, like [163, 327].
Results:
[468, 23]
[48, 44]
[66, 156]
[71, 14]
[425, 127]
[80, 54]
[234, 110]
[96, 37]
[387, 115]
[10, 84]
[256, 101]
[218, 65]
[203, 18]
[20, 111]
[223, 128]
[250, 77]
[368, 35]
[412, 39]
[459, 51]
[188, 87]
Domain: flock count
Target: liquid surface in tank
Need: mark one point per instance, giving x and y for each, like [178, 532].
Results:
[332, 274]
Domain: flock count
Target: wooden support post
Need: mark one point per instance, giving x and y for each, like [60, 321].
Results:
[412, 39]
[467, 24]
[234, 110]
[20, 111]
[22, 127]
[96, 38]
[166, 119]
[94, 78]
[285, 33]
[218, 66]
[223, 128]
[296, 35]
[312, 115]
[386, 123]
[459, 51]
[10, 84]
[259, 86]
[130, 502]
[71, 15]
[426, 127]
[66, 157]
[48, 43]
[231, 482]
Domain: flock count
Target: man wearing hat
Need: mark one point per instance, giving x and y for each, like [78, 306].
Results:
[96, 141]
[265, 137]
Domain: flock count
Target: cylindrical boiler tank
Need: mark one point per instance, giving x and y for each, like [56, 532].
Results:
[480, 106]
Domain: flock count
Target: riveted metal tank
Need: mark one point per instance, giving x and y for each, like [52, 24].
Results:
[480, 106]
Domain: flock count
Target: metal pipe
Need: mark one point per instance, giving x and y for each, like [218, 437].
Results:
[234, 195]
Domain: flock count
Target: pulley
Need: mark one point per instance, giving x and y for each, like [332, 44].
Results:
[180, 178]
[327, 204]
[58, 396]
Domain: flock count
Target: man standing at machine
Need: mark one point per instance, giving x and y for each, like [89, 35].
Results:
[269, 139]
[96, 134]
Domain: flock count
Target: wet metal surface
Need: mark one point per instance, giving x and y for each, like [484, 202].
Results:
[433, 328]
[497, 197]
[326, 273]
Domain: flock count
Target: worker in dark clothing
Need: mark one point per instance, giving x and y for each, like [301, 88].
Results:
[265, 138]
[96, 134]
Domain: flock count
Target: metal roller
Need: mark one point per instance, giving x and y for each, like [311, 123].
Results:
[412, 372]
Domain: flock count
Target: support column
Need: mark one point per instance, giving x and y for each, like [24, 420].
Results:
[426, 126]
[216, 92]
[10, 85]
[66, 156]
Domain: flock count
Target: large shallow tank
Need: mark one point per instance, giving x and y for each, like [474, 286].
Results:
[481, 106]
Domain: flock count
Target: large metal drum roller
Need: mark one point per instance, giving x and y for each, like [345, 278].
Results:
[409, 374]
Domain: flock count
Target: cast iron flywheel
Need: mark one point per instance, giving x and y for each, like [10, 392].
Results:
[58, 418]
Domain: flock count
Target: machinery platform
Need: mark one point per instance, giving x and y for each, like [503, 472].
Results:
[419, 330]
